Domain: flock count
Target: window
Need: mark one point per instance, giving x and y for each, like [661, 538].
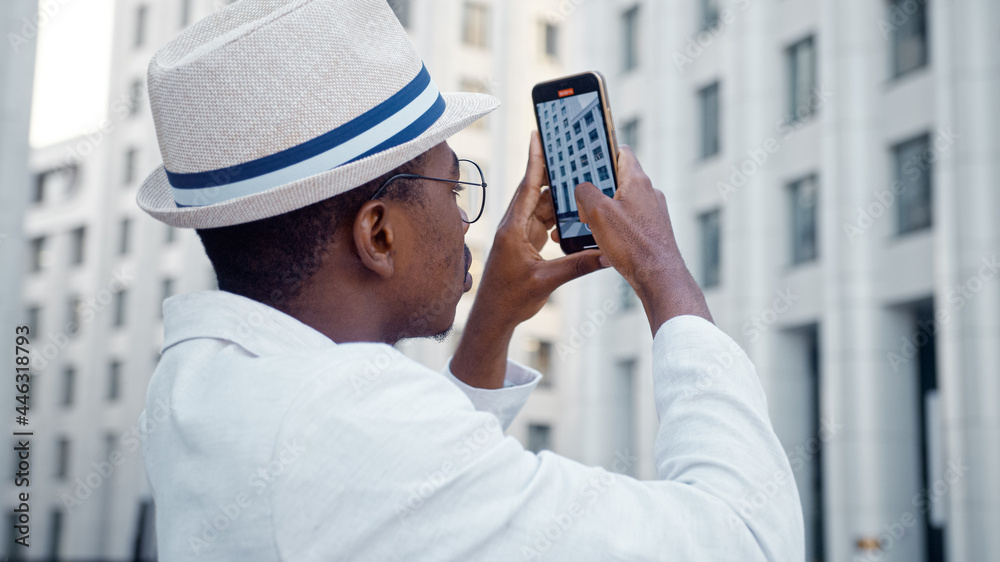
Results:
[593, 135]
[123, 236]
[630, 39]
[587, 176]
[565, 121]
[550, 40]
[623, 410]
[803, 220]
[402, 10]
[131, 156]
[550, 148]
[114, 380]
[562, 171]
[710, 241]
[475, 25]
[584, 161]
[598, 153]
[69, 382]
[602, 173]
[709, 14]
[558, 143]
[567, 137]
[185, 13]
[579, 144]
[563, 110]
[73, 315]
[540, 358]
[801, 80]
[560, 156]
[913, 174]
[55, 534]
[557, 129]
[577, 128]
[32, 318]
[909, 36]
[572, 165]
[119, 310]
[38, 256]
[78, 242]
[170, 235]
[576, 180]
[539, 437]
[140, 25]
[708, 101]
[588, 118]
[167, 291]
[552, 161]
[135, 97]
[630, 134]
[569, 149]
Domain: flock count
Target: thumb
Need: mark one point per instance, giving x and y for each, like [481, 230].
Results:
[562, 270]
[589, 201]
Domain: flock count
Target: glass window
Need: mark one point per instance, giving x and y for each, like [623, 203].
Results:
[588, 118]
[801, 80]
[708, 98]
[587, 176]
[476, 25]
[540, 358]
[562, 171]
[576, 180]
[78, 242]
[135, 93]
[802, 194]
[602, 173]
[140, 25]
[185, 13]
[623, 426]
[131, 155]
[710, 251]
[593, 135]
[119, 310]
[909, 36]
[123, 236]
[550, 40]
[630, 38]
[572, 165]
[584, 161]
[913, 173]
[69, 382]
[558, 143]
[37, 254]
[73, 305]
[402, 11]
[598, 153]
[577, 128]
[539, 437]
[114, 380]
[567, 137]
[579, 144]
[565, 122]
[709, 14]
[569, 149]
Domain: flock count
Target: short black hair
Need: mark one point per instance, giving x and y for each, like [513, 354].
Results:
[269, 260]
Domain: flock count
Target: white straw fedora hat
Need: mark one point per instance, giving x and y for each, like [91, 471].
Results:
[267, 106]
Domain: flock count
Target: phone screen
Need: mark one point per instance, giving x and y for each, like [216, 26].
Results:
[576, 151]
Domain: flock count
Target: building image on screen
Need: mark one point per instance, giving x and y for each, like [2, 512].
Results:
[577, 150]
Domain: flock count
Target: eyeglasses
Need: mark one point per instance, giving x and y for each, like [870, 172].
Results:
[470, 200]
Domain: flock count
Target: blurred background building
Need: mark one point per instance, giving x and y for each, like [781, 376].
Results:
[831, 168]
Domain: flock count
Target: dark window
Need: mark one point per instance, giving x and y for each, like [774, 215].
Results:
[62, 458]
[598, 153]
[576, 180]
[33, 318]
[170, 235]
[131, 155]
[185, 13]
[539, 437]
[123, 236]
[135, 93]
[73, 315]
[476, 25]
[114, 380]
[565, 121]
[630, 38]
[623, 425]
[630, 134]
[560, 156]
[79, 239]
[909, 35]
[593, 135]
[140, 25]
[801, 80]
[569, 149]
[540, 359]
[567, 137]
[402, 11]
[710, 248]
[69, 384]
[562, 171]
[37, 255]
[584, 161]
[550, 40]
[119, 311]
[803, 219]
[577, 128]
[558, 143]
[709, 14]
[708, 101]
[579, 144]
[587, 176]
[602, 173]
[572, 165]
[55, 534]
[588, 118]
[913, 174]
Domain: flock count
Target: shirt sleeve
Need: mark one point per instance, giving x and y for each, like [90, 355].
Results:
[440, 477]
[506, 402]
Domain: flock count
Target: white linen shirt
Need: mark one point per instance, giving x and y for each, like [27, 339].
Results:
[265, 440]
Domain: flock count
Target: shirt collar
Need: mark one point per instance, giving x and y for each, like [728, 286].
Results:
[257, 327]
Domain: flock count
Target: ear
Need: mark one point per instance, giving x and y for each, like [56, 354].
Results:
[374, 238]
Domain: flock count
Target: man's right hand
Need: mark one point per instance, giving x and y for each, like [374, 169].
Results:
[633, 231]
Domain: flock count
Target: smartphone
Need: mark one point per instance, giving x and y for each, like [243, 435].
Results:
[578, 138]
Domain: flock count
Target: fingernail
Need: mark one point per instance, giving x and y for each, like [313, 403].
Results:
[603, 261]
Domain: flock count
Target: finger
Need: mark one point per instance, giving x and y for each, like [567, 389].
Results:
[544, 211]
[562, 270]
[537, 234]
[590, 200]
[527, 194]
[554, 235]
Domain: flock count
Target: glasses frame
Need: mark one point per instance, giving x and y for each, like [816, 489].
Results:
[417, 176]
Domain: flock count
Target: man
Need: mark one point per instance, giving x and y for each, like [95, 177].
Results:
[306, 144]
